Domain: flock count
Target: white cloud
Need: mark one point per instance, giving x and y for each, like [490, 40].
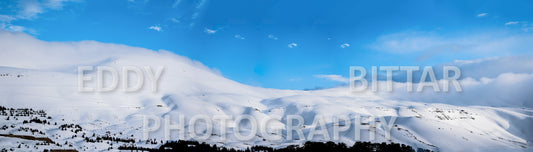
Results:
[270, 36]
[295, 79]
[527, 28]
[496, 81]
[15, 28]
[29, 10]
[239, 37]
[176, 3]
[428, 44]
[175, 20]
[345, 45]
[12, 28]
[511, 23]
[292, 45]
[482, 14]
[210, 31]
[494, 66]
[6, 18]
[199, 6]
[56, 4]
[407, 42]
[506, 81]
[332, 77]
[507, 89]
[68, 55]
[189, 11]
[156, 28]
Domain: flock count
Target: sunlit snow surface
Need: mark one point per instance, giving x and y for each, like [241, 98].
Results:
[492, 114]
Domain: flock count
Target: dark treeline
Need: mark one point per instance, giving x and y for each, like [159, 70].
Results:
[194, 146]
[28, 112]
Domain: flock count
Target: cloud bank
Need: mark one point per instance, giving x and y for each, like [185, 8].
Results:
[501, 81]
[21, 50]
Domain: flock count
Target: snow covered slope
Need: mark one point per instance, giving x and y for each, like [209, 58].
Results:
[43, 75]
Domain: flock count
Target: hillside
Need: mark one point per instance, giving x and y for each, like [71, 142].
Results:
[44, 76]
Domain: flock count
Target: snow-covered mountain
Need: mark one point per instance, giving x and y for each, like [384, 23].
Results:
[43, 75]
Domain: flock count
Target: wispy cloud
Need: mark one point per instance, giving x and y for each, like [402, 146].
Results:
[176, 3]
[12, 28]
[270, 36]
[427, 44]
[189, 11]
[294, 79]
[175, 20]
[156, 28]
[292, 45]
[332, 77]
[199, 7]
[482, 14]
[527, 28]
[239, 37]
[210, 31]
[407, 42]
[345, 45]
[28, 10]
[6, 18]
[16, 28]
[511, 23]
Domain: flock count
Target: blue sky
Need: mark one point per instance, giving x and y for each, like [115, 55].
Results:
[288, 44]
